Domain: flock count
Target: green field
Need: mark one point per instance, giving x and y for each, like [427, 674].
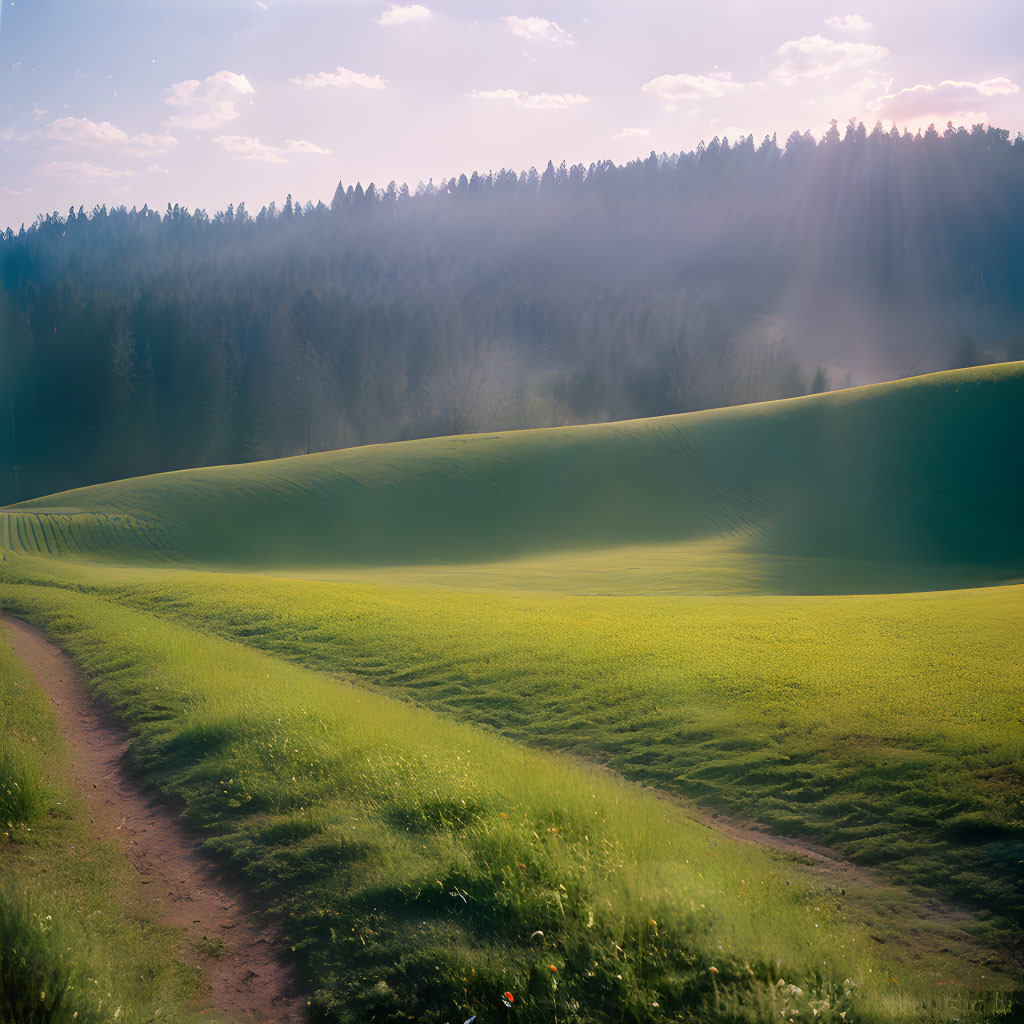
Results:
[806, 614]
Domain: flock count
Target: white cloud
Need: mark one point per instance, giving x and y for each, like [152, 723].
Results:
[848, 23]
[144, 144]
[818, 57]
[207, 104]
[80, 131]
[81, 169]
[632, 133]
[533, 100]
[538, 29]
[398, 14]
[340, 79]
[948, 101]
[673, 88]
[248, 148]
[856, 99]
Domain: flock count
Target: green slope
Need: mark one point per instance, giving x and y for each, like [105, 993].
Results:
[921, 475]
[588, 590]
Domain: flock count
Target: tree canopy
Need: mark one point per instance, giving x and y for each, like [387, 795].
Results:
[135, 341]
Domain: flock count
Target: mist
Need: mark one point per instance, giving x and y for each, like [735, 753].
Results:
[136, 342]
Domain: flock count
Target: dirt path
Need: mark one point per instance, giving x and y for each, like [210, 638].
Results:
[249, 982]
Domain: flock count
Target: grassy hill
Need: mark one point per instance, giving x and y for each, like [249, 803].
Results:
[916, 477]
[735, 607]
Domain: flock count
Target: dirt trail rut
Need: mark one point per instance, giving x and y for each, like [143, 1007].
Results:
[249, 982]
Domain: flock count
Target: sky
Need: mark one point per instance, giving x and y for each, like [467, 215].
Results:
[208, 102]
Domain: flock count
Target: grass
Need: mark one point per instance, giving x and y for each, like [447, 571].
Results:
[804, 613]
[73, 944]
[906, 475]
[414, 859]
[901, 746]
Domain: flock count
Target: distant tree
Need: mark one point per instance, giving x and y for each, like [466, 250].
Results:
[122, 353]
[133, 341]
[547, 180]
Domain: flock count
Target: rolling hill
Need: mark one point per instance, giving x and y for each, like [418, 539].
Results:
[806, 614]
[918, 480]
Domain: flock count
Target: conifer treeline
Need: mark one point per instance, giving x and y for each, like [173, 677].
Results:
[135, 342]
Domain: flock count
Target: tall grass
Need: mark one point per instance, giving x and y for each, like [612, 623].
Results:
[23, 792]
[26, 734]
[47, 968]
[424, 868]
[888, 726]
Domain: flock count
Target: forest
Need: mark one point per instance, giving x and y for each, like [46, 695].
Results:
[134, 341]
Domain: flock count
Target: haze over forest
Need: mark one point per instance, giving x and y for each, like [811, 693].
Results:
[139, 341]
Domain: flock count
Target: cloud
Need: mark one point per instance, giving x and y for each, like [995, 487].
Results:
[856, 99]
[673, 88]
[538, 29]
[81, 169]
[632, 133]
[80, 131]
[340, 79]
[248, 148]
[818, 57]
[948, 101]
[851, 24]
[207, 104]
[533, 100]
[398, 14]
